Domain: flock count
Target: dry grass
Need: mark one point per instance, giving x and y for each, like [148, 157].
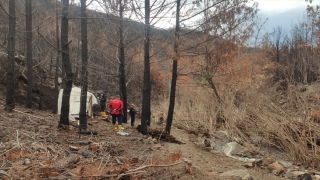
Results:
[287, 120]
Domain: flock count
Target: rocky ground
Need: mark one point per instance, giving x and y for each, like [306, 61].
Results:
[31, 147]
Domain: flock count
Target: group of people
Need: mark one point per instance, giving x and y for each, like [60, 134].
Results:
[115, 107]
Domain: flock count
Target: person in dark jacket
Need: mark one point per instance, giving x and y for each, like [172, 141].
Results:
[132, 113]
[116, 110]
[103, 100]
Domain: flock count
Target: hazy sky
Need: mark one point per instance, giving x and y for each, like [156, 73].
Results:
[284, 13]
[278, 12]
[278, 6]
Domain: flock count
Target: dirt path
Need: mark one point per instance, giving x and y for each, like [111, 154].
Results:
[212, 164]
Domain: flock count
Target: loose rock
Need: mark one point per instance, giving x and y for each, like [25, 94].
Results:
[267, 161]
[276, 167]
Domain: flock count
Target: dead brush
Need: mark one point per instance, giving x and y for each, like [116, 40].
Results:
[281, 120]
[285, 128]
[173, 157]
[196, 113]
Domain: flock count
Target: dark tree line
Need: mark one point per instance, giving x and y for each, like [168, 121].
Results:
[296, 54]
[110, 61]
[11, 56]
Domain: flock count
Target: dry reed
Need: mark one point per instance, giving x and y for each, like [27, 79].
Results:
[281, 119]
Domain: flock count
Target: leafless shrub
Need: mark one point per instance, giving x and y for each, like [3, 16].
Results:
[285, 120]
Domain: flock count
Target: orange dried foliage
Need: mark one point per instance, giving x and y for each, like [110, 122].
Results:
[237, 68]
[154, 161]
[223, 61]
[18, 171]
[127, 164]
[173, 157]
[14, 154]
[184, 79]
[47, 172]
[158, 78]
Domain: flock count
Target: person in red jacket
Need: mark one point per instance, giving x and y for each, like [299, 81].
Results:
[116, 110]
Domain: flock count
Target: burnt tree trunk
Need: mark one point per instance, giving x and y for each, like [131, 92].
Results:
[146, 94]
[29, 52]
[75, 82]
[63, 74]
[50, 64]
[56, 75]
[11, 51]
[176, 57]
[122, 76]
[84, 72]
[65, 105]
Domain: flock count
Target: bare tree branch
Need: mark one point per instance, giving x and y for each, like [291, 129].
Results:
[1, 6]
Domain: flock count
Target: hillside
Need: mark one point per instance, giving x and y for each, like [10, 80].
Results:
[102, 39]
[239, 112]
[33, 148]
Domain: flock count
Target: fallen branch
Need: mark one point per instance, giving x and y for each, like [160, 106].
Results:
[102, 161]
[18, 138]
[4, 173]
[107, 161]
[118, 161]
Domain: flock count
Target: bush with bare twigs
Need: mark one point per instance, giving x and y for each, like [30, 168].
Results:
[286, 120]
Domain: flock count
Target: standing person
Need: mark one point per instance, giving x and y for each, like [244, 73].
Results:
[103, 100]
[132, 113]
[116, 110]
